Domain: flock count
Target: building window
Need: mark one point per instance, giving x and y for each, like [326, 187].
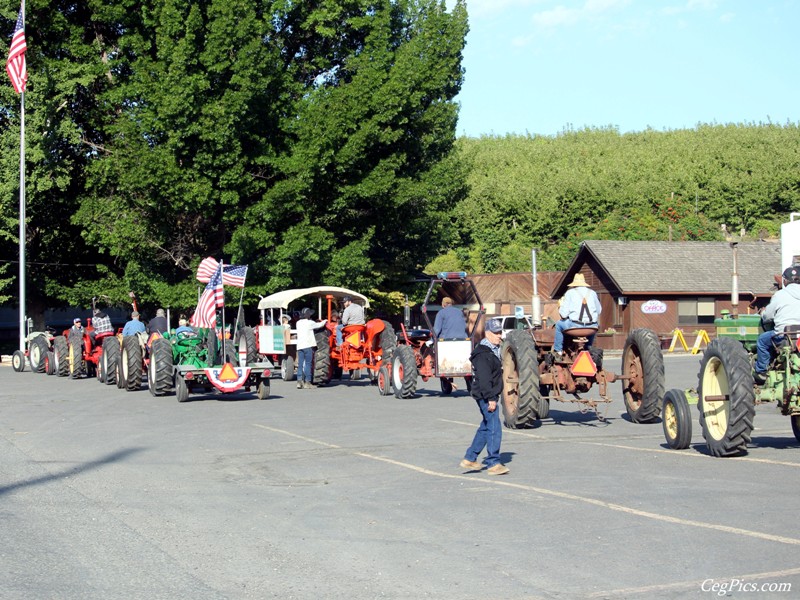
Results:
[696, 311]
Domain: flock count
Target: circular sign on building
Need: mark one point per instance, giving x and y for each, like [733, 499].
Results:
[654, 307]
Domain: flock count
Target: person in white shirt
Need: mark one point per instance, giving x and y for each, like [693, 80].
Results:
[306, 344]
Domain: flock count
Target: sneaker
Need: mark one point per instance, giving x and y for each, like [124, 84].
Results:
[309, 386]
[299, 385]
[498, 469]
[759, 378]
[470, 465]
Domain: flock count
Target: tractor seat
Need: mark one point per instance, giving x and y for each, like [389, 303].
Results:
[348, 329]
[581, 331]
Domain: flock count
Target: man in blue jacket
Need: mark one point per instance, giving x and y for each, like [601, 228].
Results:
[487, 385]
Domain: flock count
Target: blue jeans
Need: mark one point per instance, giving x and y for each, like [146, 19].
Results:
[558, 341]
[488, 435]
[304, 358]
[764, 350]
[339, 338]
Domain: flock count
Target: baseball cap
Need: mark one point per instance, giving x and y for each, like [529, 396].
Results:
[76, 320]
[494, 325]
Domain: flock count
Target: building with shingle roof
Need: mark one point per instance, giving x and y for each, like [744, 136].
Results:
[669, 285]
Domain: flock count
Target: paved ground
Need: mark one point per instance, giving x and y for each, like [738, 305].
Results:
[340, 493]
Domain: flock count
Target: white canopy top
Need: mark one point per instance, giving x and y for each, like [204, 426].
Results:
[284, 298]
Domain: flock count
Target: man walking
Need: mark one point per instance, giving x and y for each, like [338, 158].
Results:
[487, 385]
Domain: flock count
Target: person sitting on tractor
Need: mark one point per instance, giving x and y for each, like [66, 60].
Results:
[183, 327]
[580, 307]
[783, 309]
[450, 323]
[158, 323]
[353, 315]
[102, 327]
[133, 326]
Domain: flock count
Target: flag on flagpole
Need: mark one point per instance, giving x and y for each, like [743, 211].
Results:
[15, 65]
[205, 315]
[206, 269]
[234, 275]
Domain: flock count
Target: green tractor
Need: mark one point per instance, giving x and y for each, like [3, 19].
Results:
[193, 362]
[727, 394]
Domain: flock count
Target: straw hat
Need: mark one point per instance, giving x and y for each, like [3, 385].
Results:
[579, 280]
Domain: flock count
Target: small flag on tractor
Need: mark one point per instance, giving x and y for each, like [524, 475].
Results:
[234, 275]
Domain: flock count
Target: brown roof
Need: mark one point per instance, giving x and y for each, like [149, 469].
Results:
[679, 267]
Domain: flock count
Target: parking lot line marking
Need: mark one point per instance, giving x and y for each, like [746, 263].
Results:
[555, 493]
[695, 454]
[692, 585]
[637, 448]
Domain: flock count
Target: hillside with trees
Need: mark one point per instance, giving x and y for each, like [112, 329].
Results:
[553, 192]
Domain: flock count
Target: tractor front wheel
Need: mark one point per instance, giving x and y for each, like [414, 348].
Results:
[18, 361]
[76, 365]
[521, 398]
[796, 426]
[726, 397]
[263, 388]
[384, 381]
[404, 372]
[676, 420]
[181, 389]
[643, 367]
[287, 369]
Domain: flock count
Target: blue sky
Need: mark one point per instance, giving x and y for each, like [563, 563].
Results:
[540, 66]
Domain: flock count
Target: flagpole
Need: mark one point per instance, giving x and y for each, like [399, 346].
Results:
[22, 335]
[222, 282]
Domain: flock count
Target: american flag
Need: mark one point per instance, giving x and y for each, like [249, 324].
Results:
[205, 315]
[207, 268]
[234, 275]
[15, 65]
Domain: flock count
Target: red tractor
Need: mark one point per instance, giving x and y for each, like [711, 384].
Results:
[76, 354]
[421, 354]
[364, 347]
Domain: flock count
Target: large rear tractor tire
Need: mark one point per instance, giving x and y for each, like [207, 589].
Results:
[322, 358]
[404, 372]
[159, 371]
[109, 360]
[676, 420]
[643, 364]
[76, 364]
[388, 341]
[37, 350]
[131, 363]
[726, 397]
[61, 355]
[521, 398]
[212, 344]
[229, 353]
[287, 369]
[246, 345]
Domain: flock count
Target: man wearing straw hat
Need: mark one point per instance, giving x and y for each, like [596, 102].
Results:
[580, 307]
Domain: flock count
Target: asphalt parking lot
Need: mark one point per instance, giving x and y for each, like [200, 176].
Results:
[341, 493]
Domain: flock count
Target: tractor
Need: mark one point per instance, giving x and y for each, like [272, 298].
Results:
[421, 354]
[38, 346]
[727, 393]
[533, 375]
[365, 347]
[189, 362]
[77, 355]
